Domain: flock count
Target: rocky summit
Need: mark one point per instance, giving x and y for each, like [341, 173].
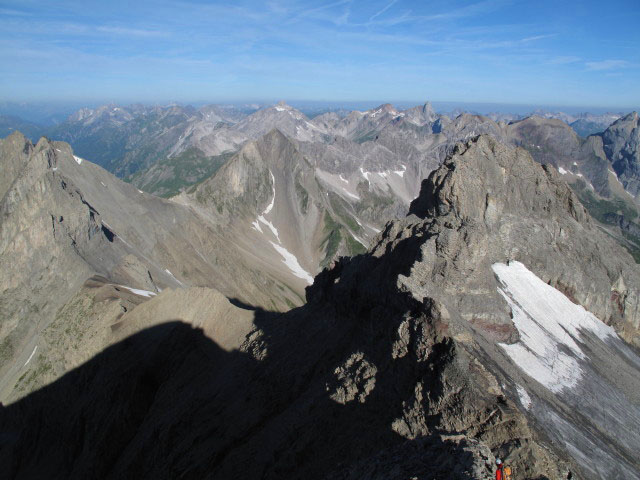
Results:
[496, 319]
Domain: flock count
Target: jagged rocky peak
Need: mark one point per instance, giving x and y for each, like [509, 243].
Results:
[383, 109]
[421, 115]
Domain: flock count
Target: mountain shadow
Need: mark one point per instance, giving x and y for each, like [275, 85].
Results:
[168, 402]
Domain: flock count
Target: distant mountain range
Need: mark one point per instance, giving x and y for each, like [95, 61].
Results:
[358, 158]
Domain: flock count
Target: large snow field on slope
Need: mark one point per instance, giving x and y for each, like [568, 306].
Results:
[549, 325]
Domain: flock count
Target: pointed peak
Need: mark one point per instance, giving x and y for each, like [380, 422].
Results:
[19, 141]
[43, 144]
[282, 106]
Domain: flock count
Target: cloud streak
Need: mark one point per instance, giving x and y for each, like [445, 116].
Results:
[606, 65]
[384, 9]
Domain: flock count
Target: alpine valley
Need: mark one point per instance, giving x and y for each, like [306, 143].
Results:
[230, 292]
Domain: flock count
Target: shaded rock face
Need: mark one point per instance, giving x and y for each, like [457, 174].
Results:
[621, 142]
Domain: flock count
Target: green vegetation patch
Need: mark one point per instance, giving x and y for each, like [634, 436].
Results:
[354, 246]
[188, 169]
[599, 207]
[366, 137]
[303, 196]
[340, 208]
[331, 241]
[602, 209]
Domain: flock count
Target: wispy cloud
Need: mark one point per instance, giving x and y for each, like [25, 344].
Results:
[564, 60]
[134, 32]
[538, 37]
[606, 65]
[384, 9]
[10, 11]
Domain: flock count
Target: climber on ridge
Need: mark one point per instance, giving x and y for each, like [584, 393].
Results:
[499, 470]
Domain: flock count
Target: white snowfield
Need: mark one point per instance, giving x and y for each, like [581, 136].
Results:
[549, 324]
[78, 159]
[562, 171]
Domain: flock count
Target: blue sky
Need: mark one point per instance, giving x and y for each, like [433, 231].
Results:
[582, 53]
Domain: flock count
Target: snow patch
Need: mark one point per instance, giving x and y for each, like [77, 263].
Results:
[172, 276]
[349, 194]
[142, 293]
[549, 325]
[256, 226]
[359, 241]
[273, 229]
[273, 199]
[525, 399]
[31, 356]
[280, 109]
[343, 179]
[575, 164]
[78, 159]
[262, 218]
[562, 171]
[401, 172]
[291, 261]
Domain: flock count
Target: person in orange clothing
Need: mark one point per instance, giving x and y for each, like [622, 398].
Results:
[499, 470]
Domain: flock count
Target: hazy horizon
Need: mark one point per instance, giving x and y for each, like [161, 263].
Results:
[52, 112]
[501, 52]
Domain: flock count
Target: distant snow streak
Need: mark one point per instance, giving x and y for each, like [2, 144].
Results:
[78, 159]
[291, 262]
[549, 325]
[525, 399]
[31, 356]
[137, 291]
